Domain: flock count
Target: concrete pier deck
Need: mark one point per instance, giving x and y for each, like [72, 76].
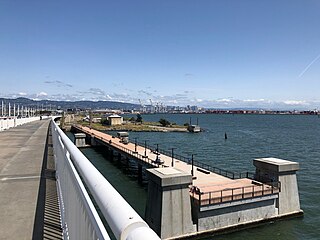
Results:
[28, 201]
[205, 182]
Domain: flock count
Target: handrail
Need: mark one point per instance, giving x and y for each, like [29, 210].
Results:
[232, 194]
[205, 166]
[124, 222]
[142, 158]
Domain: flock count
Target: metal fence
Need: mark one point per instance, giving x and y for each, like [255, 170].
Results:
[204, 166]
[79, 217]
[199, 164]
[232, 194]
[142, 158]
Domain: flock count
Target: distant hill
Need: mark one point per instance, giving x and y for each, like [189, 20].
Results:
[26, 102]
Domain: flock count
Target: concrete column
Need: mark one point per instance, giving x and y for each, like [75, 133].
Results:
[93, 141]
[111, 154]
[80, 139]
[273, 169]
[127, 162]
[168, 210]
[139, 173]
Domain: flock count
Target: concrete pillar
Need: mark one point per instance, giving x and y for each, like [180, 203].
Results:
[139, 173]
[111, 154]
[93, 141]
[285, 172]
[168, 210]
[80, 139]
[127, 162]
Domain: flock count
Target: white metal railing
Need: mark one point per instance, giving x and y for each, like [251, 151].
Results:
[79, 217]
[6, 123]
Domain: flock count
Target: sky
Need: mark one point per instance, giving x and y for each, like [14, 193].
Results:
[209, 53]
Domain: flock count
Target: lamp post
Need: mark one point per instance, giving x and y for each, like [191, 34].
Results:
[135, 145]
[172, 161]
[145, 149]
[157, 153]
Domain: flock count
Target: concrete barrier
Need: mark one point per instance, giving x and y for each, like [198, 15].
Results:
[6, 123]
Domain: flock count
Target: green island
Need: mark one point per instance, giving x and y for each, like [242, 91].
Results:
[128, 124]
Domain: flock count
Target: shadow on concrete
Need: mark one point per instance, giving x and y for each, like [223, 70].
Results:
[47, 224]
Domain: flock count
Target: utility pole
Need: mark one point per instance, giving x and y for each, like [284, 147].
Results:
[90, 118]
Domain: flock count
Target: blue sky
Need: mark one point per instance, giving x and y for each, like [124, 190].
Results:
[227, 53]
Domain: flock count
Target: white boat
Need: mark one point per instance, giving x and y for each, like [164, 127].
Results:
[194, 128]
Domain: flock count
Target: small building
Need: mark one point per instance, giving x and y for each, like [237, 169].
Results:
[115, 119]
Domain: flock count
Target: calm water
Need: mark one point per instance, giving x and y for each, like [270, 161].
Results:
[293, 138]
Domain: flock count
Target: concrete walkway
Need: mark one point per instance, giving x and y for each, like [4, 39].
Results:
[26, 183]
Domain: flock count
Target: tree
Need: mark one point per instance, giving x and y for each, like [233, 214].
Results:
[164, 122]
[139, 118]
[104, 121]
[132, 119]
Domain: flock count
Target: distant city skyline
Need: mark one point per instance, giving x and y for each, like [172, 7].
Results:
[224, 54]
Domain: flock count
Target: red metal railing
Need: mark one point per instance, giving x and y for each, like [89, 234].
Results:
[233, 194]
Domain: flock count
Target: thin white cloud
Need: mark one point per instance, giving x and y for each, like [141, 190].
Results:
[178, 99]
[58, 83]
[224, 100]
[295, 102]
[42, 94]
[254, 100]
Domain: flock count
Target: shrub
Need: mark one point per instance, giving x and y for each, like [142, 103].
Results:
[105, 121]
[164, 122]
[139, 118]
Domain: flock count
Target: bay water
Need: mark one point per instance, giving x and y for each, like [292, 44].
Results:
[290, 137]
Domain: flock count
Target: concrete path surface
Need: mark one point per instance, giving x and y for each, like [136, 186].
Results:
[23, 156]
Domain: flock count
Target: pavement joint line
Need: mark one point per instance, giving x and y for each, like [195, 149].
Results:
[19, 178]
